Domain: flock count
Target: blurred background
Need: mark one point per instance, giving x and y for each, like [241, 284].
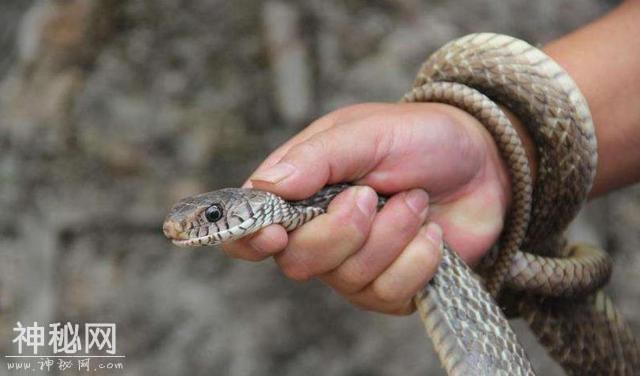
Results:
[111, 110]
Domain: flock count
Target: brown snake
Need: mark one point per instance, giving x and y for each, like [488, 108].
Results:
[532, 274]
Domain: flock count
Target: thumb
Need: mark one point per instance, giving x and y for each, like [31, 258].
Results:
[332, 156]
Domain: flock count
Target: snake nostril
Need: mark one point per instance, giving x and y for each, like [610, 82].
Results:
[167, 229]
[171, 230]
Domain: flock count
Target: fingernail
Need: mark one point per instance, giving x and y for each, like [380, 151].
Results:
[434, 233]
[366, 199]
[276, 173]
[418, 202]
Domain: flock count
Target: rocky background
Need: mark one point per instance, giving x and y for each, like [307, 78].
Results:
[110, 110]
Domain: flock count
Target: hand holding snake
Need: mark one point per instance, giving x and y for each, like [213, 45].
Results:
[468, 330]
[467, 185]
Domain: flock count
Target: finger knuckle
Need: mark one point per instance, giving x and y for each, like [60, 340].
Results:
[350, 225]
[402, 223]
[312, 146]
[296, 271]
[384, 294]
[349, 279]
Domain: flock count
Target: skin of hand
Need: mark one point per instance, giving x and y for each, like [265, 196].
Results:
[379, 261]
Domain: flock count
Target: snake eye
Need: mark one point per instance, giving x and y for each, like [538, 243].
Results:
[213, 213]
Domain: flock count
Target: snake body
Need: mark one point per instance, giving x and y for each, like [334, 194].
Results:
[533, 274]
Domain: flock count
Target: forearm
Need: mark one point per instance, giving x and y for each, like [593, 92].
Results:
[604, 60]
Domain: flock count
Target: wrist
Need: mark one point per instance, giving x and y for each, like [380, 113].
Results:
[495, 168]
[478, 204]
[492, 171]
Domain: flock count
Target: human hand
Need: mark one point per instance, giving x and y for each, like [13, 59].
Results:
[379, 261]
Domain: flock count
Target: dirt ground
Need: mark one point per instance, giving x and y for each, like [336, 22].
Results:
[110, 110]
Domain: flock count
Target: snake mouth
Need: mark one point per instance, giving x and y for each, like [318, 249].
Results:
[179, 236]
[182, 238]
[200, 241]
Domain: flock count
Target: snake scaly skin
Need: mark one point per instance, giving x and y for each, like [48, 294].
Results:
[533, 274]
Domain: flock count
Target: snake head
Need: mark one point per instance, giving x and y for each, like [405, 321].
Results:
[215, 217]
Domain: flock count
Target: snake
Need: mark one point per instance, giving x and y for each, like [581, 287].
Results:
[531, 272]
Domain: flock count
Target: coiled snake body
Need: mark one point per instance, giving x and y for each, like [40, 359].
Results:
[532, 273]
